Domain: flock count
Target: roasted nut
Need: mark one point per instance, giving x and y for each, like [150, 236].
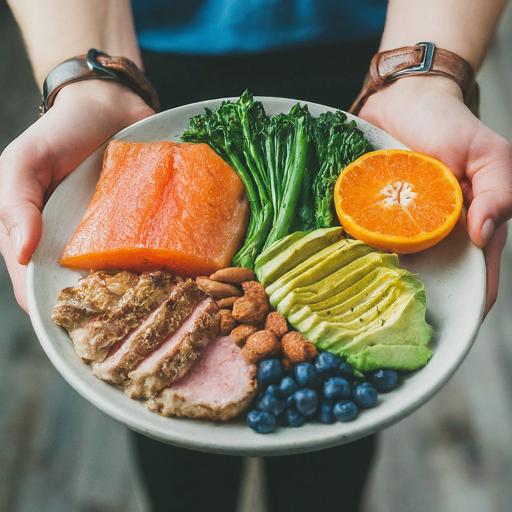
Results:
[276, 323]
[297, 348]
[260, 345]
[217, 289]
[227, 302]
[233, 275]
[253, 306]
[227, 322]
[241, 332]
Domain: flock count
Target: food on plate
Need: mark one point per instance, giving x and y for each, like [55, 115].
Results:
[217, 289]
[398, 200]
[233, 275]
[160, 324]
[260, 345]
[287, 162]
[241, 332]
[354, 301]
[323, 390]
[227, 322]
[276, 323]
[103, 308]
[252, 307]
[297, 349]
[206, 392]
[160, 205]
[176, 354]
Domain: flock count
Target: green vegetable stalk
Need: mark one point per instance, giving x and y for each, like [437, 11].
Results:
[288, 164]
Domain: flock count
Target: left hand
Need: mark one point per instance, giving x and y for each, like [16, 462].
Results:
[427, 114]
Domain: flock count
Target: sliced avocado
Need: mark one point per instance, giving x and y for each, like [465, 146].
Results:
[276, 261]
[355, 321]
[320, 283]
[278, 247]
[352, 301]
[331, 251]
[394, 357]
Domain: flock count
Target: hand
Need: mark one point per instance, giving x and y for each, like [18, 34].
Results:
[84, 115]
[427, 114]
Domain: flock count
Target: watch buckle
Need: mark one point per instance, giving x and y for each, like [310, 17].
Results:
[424, 66]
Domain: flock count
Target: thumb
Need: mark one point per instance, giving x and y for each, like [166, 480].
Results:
[21, 198]
[491, 183]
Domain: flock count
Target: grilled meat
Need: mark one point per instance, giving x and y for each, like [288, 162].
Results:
[218, 387]
[104, 307]
[176, 354]
[154, 330]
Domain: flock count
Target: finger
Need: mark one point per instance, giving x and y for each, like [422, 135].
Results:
[491, 183]
[21, 197]
[16, 271]
[492, 254]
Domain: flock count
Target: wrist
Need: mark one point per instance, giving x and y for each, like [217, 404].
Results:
[102, 95]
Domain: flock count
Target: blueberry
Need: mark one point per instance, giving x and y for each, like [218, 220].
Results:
[327, 364]
[336, 388]
[270, 371]
[288, 386]
[345, 370]
[365, 395]
[306, 375]
[385, 380]
[271, 403]
[290, 401]
[345, 410]
[325, 414]
[306, 401]
[294, 418]
[273, 390]
[262, 422]
[252, 418]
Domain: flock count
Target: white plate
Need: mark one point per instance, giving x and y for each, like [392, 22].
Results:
[453, 272]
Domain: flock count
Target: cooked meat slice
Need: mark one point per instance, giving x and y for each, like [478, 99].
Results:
[218, 387]
[159, 325]
[176, 354]
[104, 307]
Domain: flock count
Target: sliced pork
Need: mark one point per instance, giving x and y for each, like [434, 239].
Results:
[150, 334]
[104, 307]
[218, 387]
[176, 354]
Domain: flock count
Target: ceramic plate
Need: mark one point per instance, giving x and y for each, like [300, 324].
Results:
[453, 272]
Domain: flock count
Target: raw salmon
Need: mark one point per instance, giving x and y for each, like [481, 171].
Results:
[169, 205]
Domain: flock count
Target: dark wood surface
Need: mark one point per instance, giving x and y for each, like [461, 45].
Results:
[60, 454]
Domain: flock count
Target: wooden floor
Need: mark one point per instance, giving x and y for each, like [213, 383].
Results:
[60, 454]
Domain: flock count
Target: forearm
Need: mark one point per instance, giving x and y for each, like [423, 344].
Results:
[462, 26]
[55, 30]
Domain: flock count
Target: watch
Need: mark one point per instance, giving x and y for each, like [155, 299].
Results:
[422, 59]
[97, 65]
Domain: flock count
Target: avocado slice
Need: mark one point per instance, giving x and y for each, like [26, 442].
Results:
[277, 248]
[291, 251]
[312, 286]
[396, 357]
[348, 298]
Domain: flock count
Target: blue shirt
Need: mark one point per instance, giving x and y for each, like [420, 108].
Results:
[209, 27]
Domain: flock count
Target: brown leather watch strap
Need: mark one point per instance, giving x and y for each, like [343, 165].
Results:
[422, 59]
[98, 65]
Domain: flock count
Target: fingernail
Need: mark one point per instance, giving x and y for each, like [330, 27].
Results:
[17, 239]
[487, 231]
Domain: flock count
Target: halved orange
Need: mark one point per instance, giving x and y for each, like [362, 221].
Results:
[398, 200]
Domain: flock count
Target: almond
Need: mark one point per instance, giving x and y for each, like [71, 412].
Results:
[217, 289]
[233, 275]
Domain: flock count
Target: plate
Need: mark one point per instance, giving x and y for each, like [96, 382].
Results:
[453, 272]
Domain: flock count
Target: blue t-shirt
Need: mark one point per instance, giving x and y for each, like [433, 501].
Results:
[243, 26]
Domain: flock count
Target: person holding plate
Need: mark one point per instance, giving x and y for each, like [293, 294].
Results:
[420, 87]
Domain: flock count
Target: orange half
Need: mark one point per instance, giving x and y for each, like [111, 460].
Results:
[398, 200]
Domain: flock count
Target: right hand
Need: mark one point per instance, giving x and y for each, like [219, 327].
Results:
[84, 115]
